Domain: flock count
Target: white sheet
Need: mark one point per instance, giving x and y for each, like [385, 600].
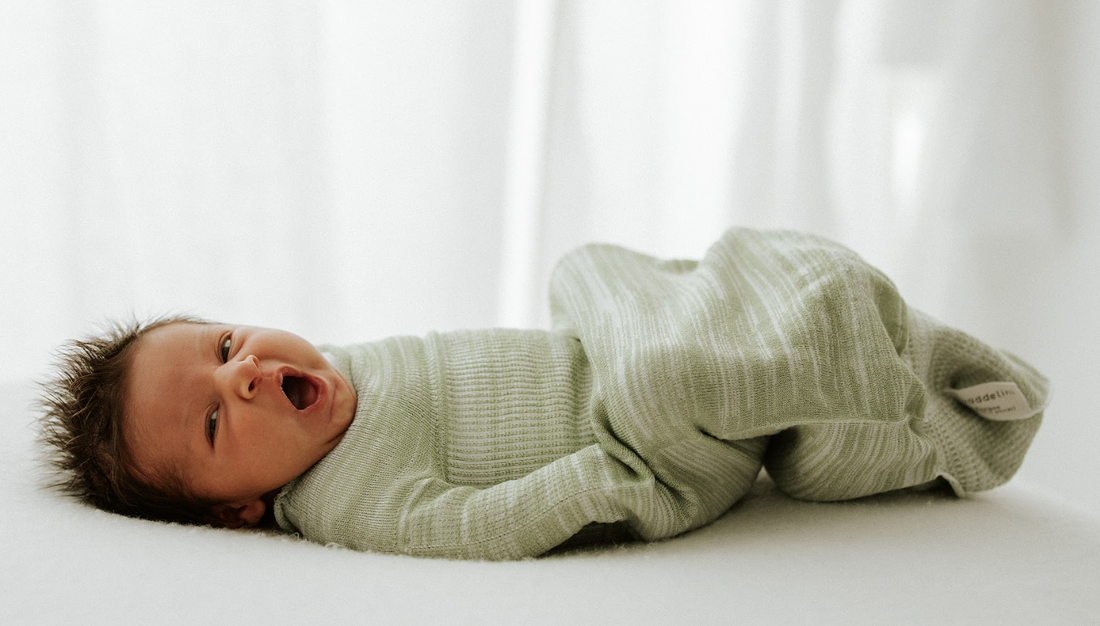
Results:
[1012, 556]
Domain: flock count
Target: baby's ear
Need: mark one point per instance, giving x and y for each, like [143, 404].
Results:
[240, 514]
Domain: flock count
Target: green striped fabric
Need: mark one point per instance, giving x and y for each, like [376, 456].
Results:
[661, 390]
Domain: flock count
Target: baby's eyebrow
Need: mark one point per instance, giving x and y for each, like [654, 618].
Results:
[204, 339]
[208, 338]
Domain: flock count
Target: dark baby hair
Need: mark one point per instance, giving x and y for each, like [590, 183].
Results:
[81, 426]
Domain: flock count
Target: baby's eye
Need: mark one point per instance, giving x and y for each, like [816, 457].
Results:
[212, 425]
[226, 343]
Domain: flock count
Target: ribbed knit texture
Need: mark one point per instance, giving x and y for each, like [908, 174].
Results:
[654, 401]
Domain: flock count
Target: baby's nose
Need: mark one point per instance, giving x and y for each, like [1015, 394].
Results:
[247, 376]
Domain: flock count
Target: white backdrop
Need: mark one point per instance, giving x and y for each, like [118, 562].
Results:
[349, 170]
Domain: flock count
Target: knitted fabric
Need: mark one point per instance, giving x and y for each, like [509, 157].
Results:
[661, 390]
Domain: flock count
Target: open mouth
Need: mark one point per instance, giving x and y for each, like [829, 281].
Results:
[301, 393]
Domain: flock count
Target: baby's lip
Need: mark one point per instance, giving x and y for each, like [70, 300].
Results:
[303, 391]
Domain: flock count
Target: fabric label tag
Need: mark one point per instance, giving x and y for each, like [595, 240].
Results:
[996, 401]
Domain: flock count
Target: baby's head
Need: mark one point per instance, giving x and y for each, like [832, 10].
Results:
[183, 420]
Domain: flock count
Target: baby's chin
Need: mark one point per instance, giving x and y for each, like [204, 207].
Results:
[345, 403]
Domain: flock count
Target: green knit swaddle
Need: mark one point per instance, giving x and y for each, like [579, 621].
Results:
[660, 391]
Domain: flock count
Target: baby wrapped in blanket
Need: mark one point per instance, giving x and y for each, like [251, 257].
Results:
[661, 390]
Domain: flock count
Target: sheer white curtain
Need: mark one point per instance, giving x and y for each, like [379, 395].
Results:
[899, 127]
[331, 168]
[349, 170]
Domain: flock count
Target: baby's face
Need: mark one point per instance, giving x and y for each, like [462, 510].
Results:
[235, 411]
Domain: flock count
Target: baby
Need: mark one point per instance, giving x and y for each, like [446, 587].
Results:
[652, 405]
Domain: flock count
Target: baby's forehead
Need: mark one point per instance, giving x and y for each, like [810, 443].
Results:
[165, 400]
[177, 340]
[166, 371]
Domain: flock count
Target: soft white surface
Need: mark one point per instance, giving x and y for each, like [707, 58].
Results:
[1012, 556]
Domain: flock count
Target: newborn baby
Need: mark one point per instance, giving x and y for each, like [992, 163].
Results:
[652, 404]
